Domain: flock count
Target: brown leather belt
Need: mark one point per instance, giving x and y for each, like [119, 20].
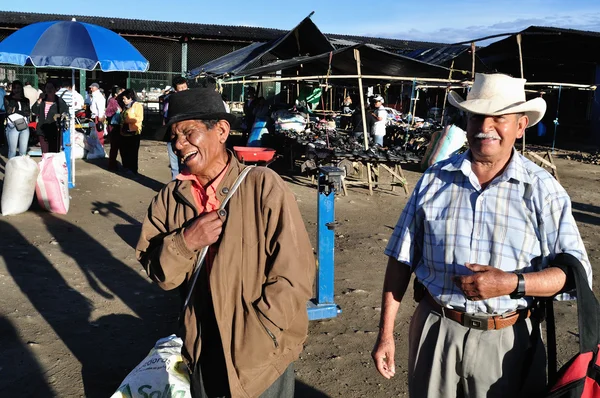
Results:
[480, 322]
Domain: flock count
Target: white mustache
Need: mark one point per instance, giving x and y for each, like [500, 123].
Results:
[488, 135]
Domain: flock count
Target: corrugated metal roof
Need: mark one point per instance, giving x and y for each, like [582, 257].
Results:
[137, 26]
[438, 55]
[194, 30]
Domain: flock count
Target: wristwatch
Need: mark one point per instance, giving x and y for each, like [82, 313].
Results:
[520, 290]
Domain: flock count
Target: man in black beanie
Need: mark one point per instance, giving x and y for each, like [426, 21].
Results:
[246, 319]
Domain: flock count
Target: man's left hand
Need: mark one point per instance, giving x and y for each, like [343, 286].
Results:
[486, 282]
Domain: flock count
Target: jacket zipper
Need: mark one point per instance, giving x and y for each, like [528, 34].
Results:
[271, 335]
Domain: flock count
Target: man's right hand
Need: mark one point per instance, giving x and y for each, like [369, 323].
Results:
[203, 231]
[383, 355]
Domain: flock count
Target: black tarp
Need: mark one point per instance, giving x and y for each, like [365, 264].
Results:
[549, 54]
[373, 62]
[304, 40]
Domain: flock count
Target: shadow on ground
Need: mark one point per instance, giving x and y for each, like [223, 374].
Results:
[108, 347]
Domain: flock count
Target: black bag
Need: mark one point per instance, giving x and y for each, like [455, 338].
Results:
[580, 377]
[99, 125]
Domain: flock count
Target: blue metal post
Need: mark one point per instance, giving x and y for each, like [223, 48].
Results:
[67, 148]
[325, 247]
[322, 306]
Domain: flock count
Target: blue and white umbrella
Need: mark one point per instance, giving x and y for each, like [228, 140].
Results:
[71, 44]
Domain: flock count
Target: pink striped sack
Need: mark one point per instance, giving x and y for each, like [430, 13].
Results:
[52, 189]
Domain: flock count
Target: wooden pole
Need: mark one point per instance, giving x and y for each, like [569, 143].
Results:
[519, 39]
[363, 114]
[397, 78]
[323, 77]
[446, 94]
[522, 76]
[473, 60]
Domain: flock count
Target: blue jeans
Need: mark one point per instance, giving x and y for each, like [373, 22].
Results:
[378, 139]
[17, 138]
[173, 161]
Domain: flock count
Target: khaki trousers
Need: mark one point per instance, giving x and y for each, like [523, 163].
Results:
[447, 359]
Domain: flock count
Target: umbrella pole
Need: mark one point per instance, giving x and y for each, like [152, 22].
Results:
[68, 138]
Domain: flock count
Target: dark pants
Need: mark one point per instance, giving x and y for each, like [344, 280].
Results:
[209, 378]
[130, 148]
[114, 134]
[283, 387]
[3, 140]
[49, 142]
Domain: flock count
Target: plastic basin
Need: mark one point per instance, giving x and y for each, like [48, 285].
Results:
[254, 154]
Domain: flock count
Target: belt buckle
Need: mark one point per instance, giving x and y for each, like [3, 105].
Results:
[475, 322]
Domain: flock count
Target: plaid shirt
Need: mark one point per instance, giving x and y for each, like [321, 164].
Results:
[518, 223]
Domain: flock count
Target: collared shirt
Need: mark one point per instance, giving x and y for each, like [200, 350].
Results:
[206, 200]
[518, 223]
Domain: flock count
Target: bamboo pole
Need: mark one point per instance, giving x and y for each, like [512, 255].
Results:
[522, 76]
[363, 114]
[322, 77]
[446, 93]
[556, 119]
[519, 40]
[473, 59]
[400, 78]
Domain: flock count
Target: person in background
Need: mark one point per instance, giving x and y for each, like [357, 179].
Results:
[224, 98]
[132, 116]
[16, 105]
[65, 92]
[379, 115]
[249, 105]
[261, 110]
[179, 84]
[48, 109]
[78, 101]
[31, 93]
[2, 116]
[113, 117]
[97, 110]
[347, 111]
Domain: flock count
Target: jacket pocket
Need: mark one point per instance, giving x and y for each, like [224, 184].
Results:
[264, 326]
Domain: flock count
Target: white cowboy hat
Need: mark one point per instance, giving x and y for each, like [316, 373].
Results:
[499, 94]
[378, 98]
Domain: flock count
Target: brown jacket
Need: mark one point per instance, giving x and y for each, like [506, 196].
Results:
[261, 279]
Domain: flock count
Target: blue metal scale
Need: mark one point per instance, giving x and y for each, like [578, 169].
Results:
[322, 306]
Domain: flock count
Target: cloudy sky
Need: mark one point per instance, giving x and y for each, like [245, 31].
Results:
[425, 20]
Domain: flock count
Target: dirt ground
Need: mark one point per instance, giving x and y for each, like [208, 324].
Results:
[77, 311]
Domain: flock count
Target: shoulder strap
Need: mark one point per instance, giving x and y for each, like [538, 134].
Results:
[588, 312]
[202, 256]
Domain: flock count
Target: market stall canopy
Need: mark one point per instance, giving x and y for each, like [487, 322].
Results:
[549, 54]
[71, 44]
[305, 39]
[374, 62]
[459, 57]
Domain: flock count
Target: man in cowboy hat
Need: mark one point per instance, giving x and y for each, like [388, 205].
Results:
[480, 233]
[246, 321]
